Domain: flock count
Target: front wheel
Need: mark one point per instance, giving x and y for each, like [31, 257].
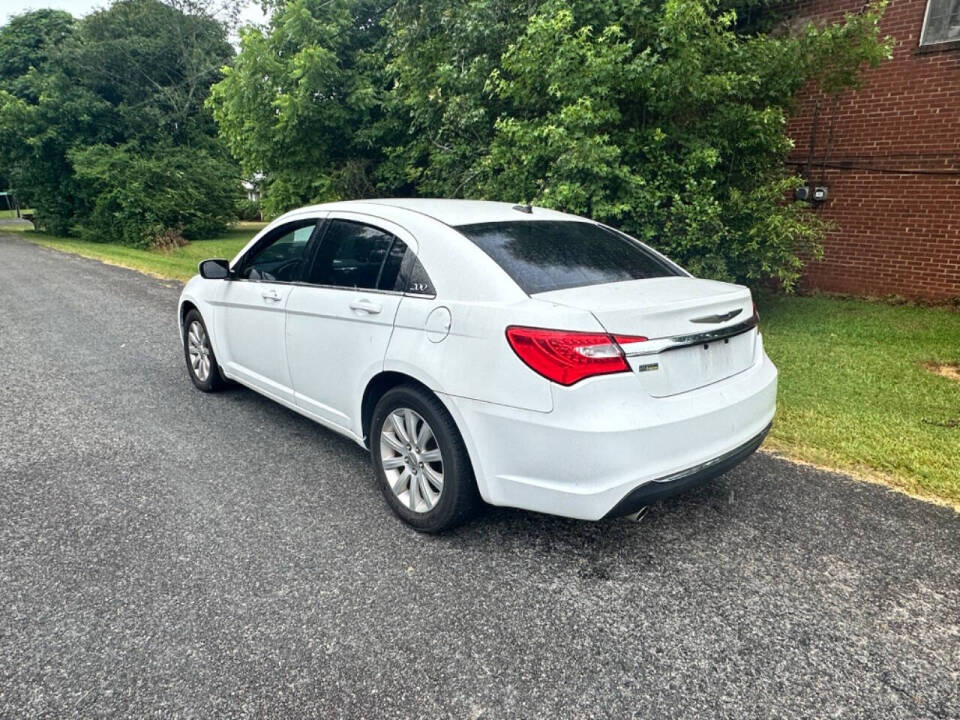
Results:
[198, 352]
[420, 460]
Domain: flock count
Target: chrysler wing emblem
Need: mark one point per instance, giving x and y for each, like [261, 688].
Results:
[719, 318]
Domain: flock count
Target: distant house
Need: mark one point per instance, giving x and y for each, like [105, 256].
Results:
[254, 187]
[888, 157]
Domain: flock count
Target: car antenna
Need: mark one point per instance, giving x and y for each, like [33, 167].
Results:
[528, 209]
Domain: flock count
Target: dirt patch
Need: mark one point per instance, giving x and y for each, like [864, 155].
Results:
[947, 370]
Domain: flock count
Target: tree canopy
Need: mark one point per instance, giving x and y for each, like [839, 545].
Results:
[28, 41]
[103, 126]
[666, 118]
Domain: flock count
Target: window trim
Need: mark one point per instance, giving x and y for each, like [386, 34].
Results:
[947, 44]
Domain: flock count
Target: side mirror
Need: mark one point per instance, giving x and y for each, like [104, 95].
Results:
[215, 269]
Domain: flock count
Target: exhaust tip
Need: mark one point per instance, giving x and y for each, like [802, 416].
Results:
[638, 515]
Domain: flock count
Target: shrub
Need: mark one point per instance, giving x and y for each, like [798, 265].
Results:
[141, 196]
[248, 210]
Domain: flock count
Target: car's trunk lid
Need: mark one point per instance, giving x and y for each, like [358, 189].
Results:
[665, 310]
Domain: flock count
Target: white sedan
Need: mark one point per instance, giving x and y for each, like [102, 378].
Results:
[488, 351]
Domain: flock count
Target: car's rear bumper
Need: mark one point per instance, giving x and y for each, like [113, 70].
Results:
[686, 479]
[618, 451]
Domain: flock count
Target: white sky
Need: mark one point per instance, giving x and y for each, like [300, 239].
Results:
[79, 8]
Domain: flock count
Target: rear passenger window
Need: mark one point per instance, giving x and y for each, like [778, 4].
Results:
[351, 255]
[404, 273]
[390, 275]
[356, 255]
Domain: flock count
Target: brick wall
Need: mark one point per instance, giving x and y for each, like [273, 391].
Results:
[890, 155]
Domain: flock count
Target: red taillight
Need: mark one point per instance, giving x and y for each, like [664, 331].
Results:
[627, 339]
[568, 357]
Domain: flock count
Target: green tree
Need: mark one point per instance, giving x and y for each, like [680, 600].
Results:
[439, 108]
[140, 197]
[300, 100]
[35, 137]
[132, 78]
[666, 118]
[28, 42]
[670, 123]
[31, 152]
[154, 65]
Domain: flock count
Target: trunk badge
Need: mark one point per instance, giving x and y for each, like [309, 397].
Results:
[719, 318]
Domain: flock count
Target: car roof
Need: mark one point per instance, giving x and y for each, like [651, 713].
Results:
[446, 211]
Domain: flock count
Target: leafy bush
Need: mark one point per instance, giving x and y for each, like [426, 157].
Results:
[248, 210]
[139, 197]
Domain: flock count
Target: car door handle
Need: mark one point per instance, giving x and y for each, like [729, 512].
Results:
[363, 305]
[271, 295]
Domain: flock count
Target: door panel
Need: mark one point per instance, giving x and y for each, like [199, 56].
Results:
[336, 340]
[340, 321]
[251, 311]
[252, 319]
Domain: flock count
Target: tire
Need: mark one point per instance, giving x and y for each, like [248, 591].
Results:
[458, 497]
[206, 376]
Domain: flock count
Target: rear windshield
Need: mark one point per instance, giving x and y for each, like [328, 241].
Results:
[544, 255]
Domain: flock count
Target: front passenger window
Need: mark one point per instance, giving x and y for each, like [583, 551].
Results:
[281, 258]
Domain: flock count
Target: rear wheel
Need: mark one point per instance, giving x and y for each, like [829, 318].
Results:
[198, 352]
[420, 460]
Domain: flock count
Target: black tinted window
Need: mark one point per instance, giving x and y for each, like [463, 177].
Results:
[544, 255]
[390, 275]
[413, 278]
[351, 255]
[281, 254]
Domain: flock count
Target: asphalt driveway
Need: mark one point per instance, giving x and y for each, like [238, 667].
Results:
[169, 553]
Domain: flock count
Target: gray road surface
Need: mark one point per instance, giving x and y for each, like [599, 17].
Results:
[169, 553]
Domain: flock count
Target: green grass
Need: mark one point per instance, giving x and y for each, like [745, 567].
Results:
[855, 394]
[178, 264]
[13, 213]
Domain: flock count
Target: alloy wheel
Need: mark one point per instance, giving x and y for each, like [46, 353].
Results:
[198, 349]
[411, 460]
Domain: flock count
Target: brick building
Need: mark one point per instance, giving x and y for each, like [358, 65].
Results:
[889, 156]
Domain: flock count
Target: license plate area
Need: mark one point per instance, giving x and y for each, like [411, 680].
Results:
[694, 366]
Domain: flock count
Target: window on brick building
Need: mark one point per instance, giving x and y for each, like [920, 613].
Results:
[942, 22]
